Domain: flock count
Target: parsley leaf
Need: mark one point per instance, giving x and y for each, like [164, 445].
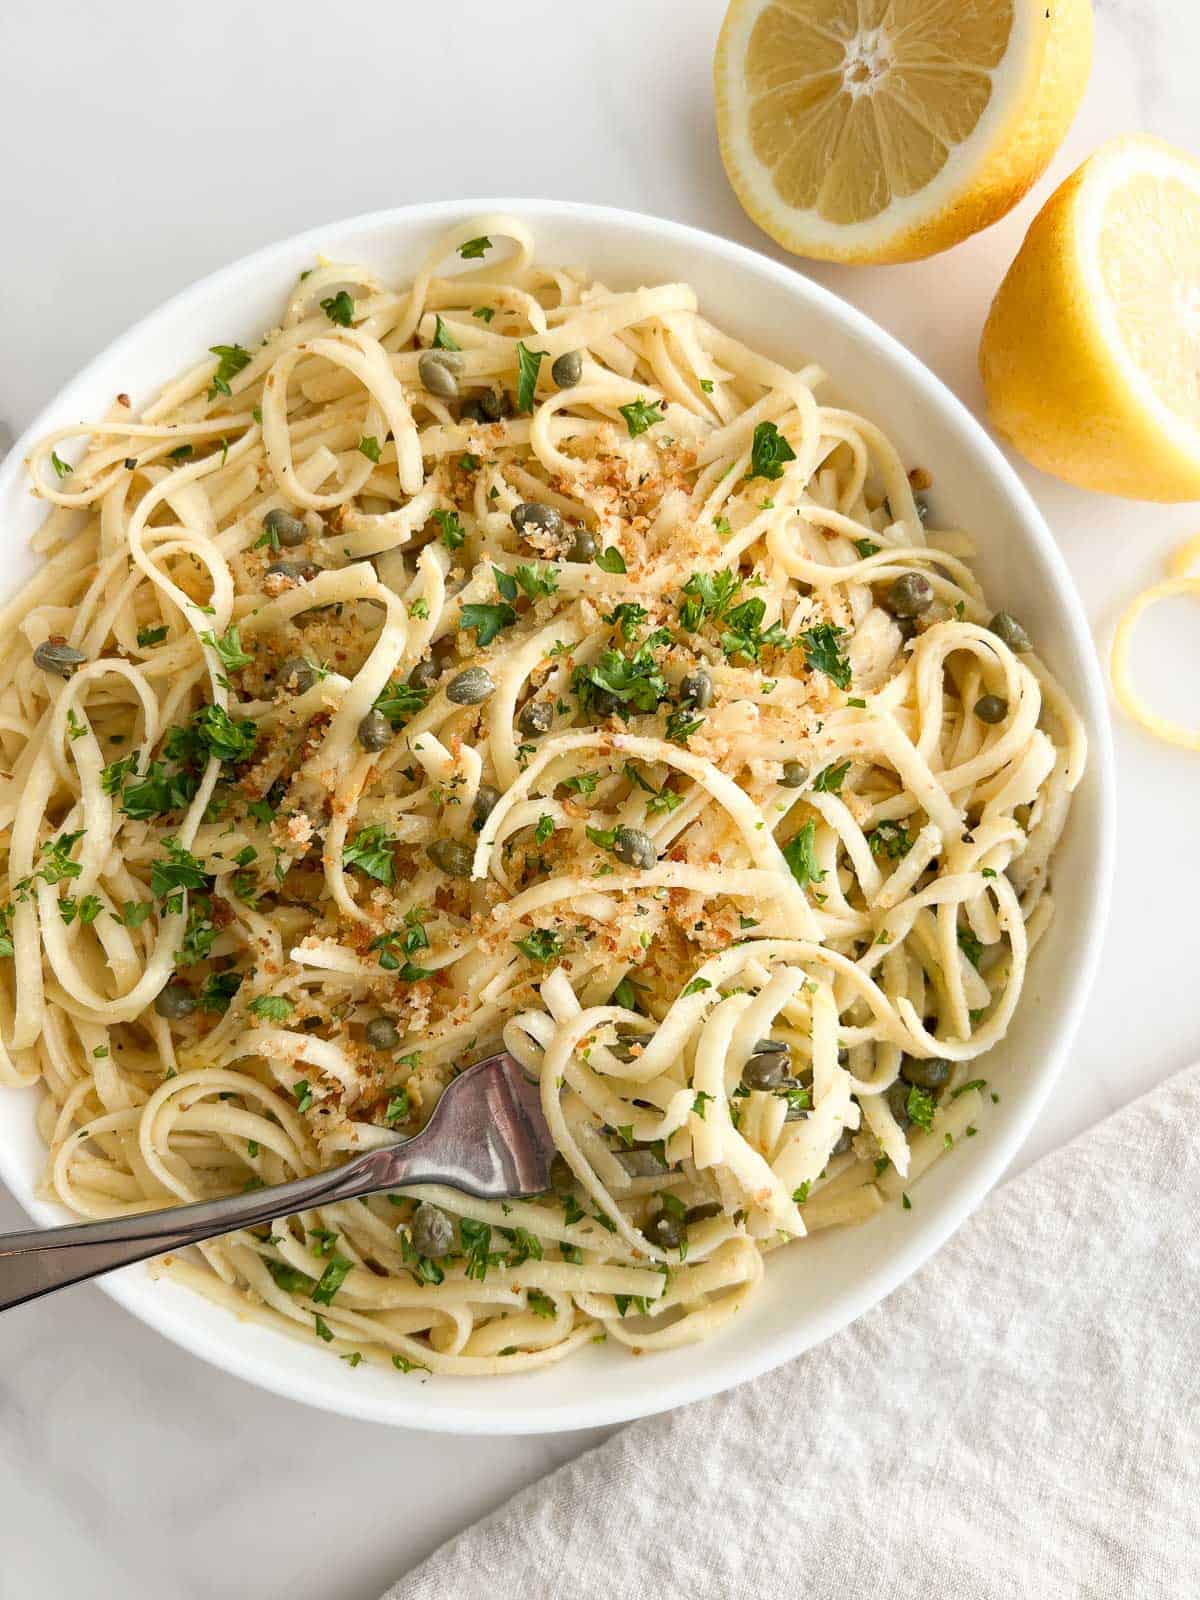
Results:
[370, 850]
[228, 648]
[539, 579]
[231, 358]
[696, 986]
[443, 339]
[477, 1237]
[541, 946]
[453, 533]
[630, 683]
[331, 1280]
[528, 362]
[474, 248]
[970, 946]
[399, 701]
[274, 1007]
[339, 308]
[180, 870]
[830, 779]
[769, 451]
[823, 652]
[62, 469]
[707, 594]
[890, 840]
[611, 560]
[540, 1304]
[800, 856]
[149, 636]
[544, 829]
[486, 621]
[919, 1106]
[639, 416]
[369, 446]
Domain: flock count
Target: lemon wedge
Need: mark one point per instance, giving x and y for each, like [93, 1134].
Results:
[1091, 352]
[887, 130]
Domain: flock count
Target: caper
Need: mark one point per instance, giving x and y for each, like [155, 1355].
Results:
[844, 1140]
[60, 659]
[696, 690]
[381, 1033]
[452, 857]
[297, 674]
[494, 404]
[425, 674]
[664, 1230]
[562, 1179]
[897, 1099]
[907, 627]
[702, 1213]
[583, 546]
[603, 702]
[909, 595]
[536, 717]
[766, 1070]
[766, 1046]
[642, 1162]
[175, 1001]
[288, 530]
[432, 1231]
[470, 687]
[794, 775]
[634, 848]
[486, 799]
[302, 571]
[1010, 632]
[433, 369]
[567, 369]
[531, 516]
[374, 731]
[991, 708]
[933, 1073]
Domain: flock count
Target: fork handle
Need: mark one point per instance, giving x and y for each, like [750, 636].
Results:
[34, 1262]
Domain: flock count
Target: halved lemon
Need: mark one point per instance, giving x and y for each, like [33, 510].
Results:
[1091, 352]
[887, 130]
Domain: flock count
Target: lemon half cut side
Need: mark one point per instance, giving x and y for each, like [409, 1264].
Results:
[887, 130]
[1090, 356]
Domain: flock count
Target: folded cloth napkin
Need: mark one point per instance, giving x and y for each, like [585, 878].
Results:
[1021, 1419]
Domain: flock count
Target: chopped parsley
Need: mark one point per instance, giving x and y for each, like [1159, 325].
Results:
[486, 621]
[891, 840]
[801, 856]
[231, 359]
[272, 1007]
[453, 534]
[611, 560]
[697, 986]
[443, 339]
[62, 469]
[339, 308]
[823, 652]
[769, 452]
[370, 851]
[228, 648]
[541, 946]
[640, 415]
[830, 779]
[920, 1107]
[331, 1280]
[528, 362]
[369, 446]
[474, 248]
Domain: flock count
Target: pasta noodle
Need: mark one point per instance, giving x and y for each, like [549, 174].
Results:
[508, 661]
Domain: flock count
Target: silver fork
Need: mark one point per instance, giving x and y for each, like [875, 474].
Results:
[487, 1136]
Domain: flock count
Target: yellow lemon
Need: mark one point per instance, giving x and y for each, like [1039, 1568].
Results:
[1091, 352]
[887, 130]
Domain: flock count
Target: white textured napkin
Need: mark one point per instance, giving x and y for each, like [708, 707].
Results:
[1021, 1419]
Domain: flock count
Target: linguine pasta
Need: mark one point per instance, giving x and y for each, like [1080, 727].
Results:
[505, 661]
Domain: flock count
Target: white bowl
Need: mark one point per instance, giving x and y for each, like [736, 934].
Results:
[815, 1288]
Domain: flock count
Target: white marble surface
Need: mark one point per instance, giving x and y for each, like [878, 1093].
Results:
[147, 144]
